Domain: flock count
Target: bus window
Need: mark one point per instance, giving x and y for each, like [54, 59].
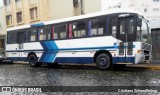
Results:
[131, 26]
[12, 37]
[33, 35]
[114, 28]
[101, 26]
[96, 26]
[63, 31]
[122, 27]
[79, 29]
[44, 33]
[55, 31]
[93, 27]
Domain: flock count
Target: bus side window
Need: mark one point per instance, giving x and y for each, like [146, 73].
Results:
[28, 35]
[63, 31]
[93, 27]
[96, 26]
[79, 29]
[33, 36]
[55, 32]
[102, 25]
[12, 37]
[44, 33]
[114, 28]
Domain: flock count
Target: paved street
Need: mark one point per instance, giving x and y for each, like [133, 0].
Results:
[24, 75]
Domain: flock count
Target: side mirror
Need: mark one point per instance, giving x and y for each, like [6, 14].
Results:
[139, 22]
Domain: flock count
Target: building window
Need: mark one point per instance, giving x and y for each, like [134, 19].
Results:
[155, 0]
[7, 2]
[145, 10]
[33, 13]
[9, 20]
[19, 17]
[17, 1]
[155, 9]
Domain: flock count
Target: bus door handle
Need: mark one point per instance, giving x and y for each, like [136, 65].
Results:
[73, 52]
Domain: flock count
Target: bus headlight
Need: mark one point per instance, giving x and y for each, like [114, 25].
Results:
[139, 51]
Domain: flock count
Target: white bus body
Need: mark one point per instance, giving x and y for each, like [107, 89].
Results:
[112, 44]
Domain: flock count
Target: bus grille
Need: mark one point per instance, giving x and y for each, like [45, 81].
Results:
[146, 46]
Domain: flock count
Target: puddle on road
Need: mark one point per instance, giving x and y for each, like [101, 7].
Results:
[154, 81]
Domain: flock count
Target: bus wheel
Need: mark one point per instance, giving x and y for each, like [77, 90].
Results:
[33, 61]
[103, 61]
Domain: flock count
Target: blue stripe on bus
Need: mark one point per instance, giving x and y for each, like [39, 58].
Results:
[90, 60]
[78, 60]
[123, 59]
[48, 56]
[39, 24]
[64, 49]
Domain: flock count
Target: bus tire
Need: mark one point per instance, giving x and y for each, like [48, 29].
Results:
[33, 61]
[103, 61]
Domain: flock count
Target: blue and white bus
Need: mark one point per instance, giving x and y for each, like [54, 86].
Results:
[104, 38]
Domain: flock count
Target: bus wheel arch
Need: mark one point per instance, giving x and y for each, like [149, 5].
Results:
[103, 55]
[33, 60]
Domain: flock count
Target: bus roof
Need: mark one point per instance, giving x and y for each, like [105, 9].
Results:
[107, 12]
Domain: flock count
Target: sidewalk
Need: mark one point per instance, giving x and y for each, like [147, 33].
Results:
[146, 66]
[151, 66]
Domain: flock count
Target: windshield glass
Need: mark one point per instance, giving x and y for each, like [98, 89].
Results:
[142, 32]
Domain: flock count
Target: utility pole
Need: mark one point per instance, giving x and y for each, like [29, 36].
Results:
[82, 12]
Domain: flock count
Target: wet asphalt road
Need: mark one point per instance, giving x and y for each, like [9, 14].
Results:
[24, 75]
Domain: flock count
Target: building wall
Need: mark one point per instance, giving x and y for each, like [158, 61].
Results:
[25, 6]
[60, 9]
[149, 8]
[91, 6]
[2, 29]
[48, 10]
[2, 22]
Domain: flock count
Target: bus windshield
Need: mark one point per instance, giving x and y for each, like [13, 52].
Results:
[142, 32]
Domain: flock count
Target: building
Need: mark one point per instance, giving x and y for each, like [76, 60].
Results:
[149, 8]
[155, 34]
[2, 28]
[20, 12]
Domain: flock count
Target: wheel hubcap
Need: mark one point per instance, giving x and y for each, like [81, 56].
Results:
[103, 61]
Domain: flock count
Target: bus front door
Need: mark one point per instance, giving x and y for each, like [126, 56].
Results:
[20, 45]
[126, 36]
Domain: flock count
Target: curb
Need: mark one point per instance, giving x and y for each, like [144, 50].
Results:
[146, 66]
